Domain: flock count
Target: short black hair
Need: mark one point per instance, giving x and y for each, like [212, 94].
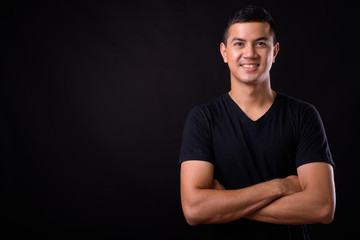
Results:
[251, 13]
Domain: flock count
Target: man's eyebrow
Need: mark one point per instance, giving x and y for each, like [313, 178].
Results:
[258, 39]
[262, 39]
[237, 39]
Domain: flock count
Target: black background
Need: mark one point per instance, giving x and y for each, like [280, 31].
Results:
[95, 95]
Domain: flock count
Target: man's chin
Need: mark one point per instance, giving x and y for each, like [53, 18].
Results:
[248, 80]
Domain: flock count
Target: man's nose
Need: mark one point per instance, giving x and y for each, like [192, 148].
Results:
[249, 52]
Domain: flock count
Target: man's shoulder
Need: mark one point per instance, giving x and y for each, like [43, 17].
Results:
[211, 106]
[295, 104]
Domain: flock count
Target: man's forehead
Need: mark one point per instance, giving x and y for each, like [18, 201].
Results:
[250, 29]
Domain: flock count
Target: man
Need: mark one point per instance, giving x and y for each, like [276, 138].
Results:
[255, 162]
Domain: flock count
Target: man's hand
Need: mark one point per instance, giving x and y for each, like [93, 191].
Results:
[291, 184]
[216, 185]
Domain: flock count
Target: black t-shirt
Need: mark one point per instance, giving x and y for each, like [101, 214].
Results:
[246, 152]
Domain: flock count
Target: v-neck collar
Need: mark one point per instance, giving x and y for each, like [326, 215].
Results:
[244, 117]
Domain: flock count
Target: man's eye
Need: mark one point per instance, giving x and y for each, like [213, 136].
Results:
[239, 44]
[261, 44]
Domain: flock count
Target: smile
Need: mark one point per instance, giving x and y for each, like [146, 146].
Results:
[250, 65]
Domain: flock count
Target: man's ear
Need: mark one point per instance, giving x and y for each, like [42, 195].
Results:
[276, 50]
[223, 52]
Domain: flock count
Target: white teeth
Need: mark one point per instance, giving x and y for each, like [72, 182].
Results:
[249, 66]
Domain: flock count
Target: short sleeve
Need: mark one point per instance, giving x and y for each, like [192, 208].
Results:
[196, 141]
[312, 141]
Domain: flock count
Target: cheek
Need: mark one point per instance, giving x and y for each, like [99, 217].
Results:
[270, 59]
[234, 57]
[270, 55]
[267, 57]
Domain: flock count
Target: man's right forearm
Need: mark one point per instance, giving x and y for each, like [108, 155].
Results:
[207, 206]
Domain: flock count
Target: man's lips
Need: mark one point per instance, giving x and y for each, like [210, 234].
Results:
[249, 66]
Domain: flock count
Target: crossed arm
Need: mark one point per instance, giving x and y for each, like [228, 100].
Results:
[303, 199]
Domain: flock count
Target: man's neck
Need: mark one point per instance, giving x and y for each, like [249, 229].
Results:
[253, 99]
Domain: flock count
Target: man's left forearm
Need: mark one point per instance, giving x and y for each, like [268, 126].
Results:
[314, 204]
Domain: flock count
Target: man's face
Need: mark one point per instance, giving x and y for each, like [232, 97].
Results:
[249, 52]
